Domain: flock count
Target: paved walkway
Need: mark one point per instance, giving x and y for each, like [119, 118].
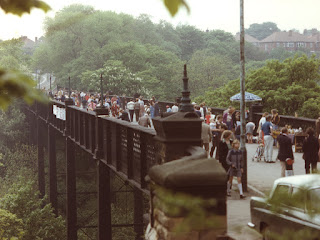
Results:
[261, 176]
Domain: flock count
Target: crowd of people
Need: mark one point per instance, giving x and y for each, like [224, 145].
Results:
[222, 131]
[133, 110]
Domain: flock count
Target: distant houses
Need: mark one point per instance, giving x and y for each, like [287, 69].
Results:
[290, 41]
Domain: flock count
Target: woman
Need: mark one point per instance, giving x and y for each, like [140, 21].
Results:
[261, 122]
[275, 119]
[310, 150]
[225, 145]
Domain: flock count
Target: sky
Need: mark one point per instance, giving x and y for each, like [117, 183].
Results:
[205, 14]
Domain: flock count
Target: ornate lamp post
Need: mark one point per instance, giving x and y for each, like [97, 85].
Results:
[101, 93]
[186, 105]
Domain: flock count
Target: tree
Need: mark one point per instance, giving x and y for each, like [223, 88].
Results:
[263, 30]
[13, 83]
[117, 79]
[290, 86]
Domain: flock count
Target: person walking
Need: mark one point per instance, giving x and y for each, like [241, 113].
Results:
[268, 139]
[206, 136]
[310, 150]
[130, 107]
[224, 147]
[235, 163]
[137, 109]
[285, 149]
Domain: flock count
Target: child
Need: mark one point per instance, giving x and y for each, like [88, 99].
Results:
[234, 159]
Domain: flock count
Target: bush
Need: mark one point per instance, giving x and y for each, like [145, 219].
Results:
[38, 222]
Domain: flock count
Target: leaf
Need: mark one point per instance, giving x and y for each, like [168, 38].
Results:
[19, 7]
[174, 5]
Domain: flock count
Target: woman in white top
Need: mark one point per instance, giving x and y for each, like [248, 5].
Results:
[261, 122]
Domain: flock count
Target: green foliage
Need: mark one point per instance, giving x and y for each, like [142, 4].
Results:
[39, 222]
[174, 5]
[263, 30]
[290, 86]
[19, 7]
[11, 227]
[14, 84]
[116, 77]
[177, 204]
[13, 128]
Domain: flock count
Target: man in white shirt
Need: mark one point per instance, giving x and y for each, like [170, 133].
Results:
[130, 107]
[175, 108]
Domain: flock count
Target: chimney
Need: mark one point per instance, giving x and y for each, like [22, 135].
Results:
[36, 39]
[290, 33]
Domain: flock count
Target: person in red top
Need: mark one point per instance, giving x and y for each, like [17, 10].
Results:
[208, 116]
[115, 109]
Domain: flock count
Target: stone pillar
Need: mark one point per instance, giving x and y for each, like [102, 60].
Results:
[188, 199]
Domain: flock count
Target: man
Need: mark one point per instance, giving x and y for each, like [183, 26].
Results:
[130, 107]
[156, 109]
[285, 149]
[144, 121]
[268, 139]
[175, 107]
[168, 109]
[206, 136]
[137, 109]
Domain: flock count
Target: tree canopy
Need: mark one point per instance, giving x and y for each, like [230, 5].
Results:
[289, 86]
[262, 30]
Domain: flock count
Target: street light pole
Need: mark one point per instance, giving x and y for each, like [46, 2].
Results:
[242, 100]
[69, 88]
[50, 82]
[101, 88]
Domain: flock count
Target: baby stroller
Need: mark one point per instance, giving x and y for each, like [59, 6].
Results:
[259, 154]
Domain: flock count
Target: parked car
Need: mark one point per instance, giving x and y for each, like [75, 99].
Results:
[291, 210]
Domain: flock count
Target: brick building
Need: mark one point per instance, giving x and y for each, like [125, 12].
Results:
[291, 41]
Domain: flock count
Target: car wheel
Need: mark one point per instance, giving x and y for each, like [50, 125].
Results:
[266, 233]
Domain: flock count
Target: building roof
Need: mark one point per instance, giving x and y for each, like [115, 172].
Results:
[28, 43]
[289, 36]
[315, 37]
[247, 38]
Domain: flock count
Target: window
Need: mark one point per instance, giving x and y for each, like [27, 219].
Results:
[290, 44]
[311, 45]
[278, 44]
[314, 200]
[297, 198]
[280, 193]
[266, 47]
[301, 44]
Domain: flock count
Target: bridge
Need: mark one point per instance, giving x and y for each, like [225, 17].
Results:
[115, 157]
